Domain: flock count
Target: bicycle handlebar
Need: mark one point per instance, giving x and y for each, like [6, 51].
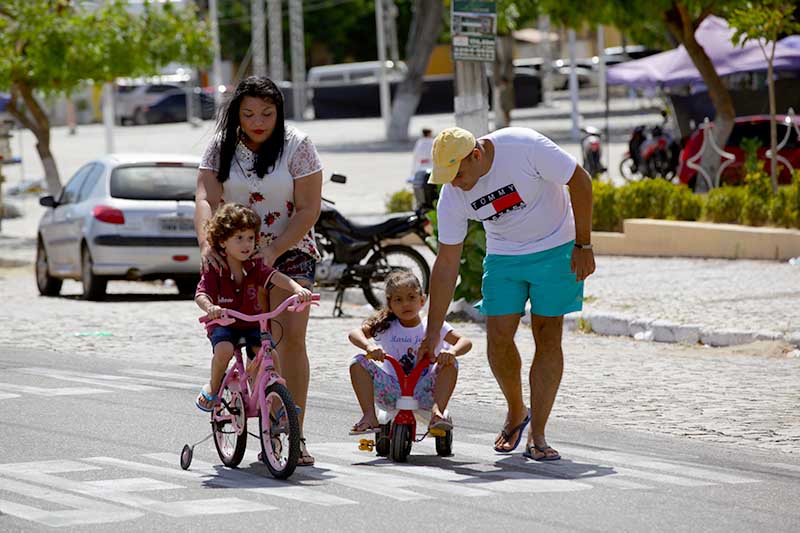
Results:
[229, 316]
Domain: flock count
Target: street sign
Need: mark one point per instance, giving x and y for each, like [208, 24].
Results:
[473, 27]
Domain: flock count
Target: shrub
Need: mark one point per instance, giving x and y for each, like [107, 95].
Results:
[605, 215]
[400, 201]
[683, 204]
[647, 198]
[724, 205]
[779, 208]
[757, 196]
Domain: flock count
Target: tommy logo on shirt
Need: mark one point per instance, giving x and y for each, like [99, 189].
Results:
[497, 203]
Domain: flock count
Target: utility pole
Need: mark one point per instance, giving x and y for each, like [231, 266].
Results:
[108, 116]
[383, 83]
[259, 39]
[473, 27]
[275, 40]
[216, 70]
[298, 51]
[547, 58]
[573, 88]
[601, 65]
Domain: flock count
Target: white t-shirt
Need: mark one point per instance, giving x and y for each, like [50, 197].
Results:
[522, 201]
[423, 154]
[402, 343]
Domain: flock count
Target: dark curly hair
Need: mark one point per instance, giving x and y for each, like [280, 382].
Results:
[228, 127]
[399, 279]
[229, 219]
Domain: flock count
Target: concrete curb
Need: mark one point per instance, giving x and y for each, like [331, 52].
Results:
[644, 329]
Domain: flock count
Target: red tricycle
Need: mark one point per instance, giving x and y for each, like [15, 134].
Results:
[398, 429]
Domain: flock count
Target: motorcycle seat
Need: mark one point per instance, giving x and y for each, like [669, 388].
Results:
[389, 227]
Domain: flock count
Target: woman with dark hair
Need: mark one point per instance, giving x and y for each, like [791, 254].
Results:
[255, 159]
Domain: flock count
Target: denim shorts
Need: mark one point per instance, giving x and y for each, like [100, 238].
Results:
[250, 336]
[545, 277]
[297, 265]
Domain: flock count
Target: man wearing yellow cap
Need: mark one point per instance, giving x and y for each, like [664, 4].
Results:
[535, 203]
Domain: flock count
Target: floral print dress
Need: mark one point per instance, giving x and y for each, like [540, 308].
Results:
[271, 197]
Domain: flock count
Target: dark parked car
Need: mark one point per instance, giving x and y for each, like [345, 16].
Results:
[751, 127]
[172, 108]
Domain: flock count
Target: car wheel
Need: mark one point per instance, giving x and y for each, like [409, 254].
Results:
[47, 284]
[94, 286]
[139, 117]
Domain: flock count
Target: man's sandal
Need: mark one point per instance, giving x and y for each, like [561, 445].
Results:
[507, 435]
[528, 454]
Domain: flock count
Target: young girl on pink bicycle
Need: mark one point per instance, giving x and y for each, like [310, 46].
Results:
[397, 330]
[233, 233]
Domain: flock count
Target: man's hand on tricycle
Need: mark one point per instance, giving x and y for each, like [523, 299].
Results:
[427, 348]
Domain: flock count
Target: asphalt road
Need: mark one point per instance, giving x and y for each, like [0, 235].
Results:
[92, 445]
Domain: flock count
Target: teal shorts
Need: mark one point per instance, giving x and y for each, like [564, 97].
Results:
[545, 277]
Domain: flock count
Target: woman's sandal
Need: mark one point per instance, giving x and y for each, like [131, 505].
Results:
[306, 459]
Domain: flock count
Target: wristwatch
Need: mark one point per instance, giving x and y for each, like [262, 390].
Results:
[583, 246]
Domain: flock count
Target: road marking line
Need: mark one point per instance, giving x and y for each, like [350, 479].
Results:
[104, 380]
[36, 473]
[134, 484]
[48, 391]
[84, 511]
[4, 396]
[226, 478]
[785, 466]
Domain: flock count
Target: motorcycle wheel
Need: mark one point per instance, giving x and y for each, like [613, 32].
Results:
[627, 169]
[389, 259]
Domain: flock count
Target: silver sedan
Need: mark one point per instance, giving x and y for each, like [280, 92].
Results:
[121, 217]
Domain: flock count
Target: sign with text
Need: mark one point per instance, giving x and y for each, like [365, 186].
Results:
[473, 27]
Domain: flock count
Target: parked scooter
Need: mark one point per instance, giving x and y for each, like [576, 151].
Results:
[356, 256]
[592, 149]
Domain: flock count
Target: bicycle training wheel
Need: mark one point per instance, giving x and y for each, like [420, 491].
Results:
[280, 431]
[387, 260]
[229, 424]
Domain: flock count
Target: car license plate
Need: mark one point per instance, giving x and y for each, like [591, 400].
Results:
[174, 225]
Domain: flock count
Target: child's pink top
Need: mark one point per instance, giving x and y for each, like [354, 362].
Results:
[224, 292]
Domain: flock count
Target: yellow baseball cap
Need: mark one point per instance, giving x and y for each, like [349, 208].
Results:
[449, 148]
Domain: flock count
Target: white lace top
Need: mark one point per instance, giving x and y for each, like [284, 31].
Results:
[273, 196]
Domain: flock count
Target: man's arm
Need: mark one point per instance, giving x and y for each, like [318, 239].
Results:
[443, 283]
[580, 192]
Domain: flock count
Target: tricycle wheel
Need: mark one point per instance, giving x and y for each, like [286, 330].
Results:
[186, 457]
[444, 445]
[382, 440]
[401, 442]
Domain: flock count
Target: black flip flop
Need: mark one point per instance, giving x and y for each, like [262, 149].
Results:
[507, 435]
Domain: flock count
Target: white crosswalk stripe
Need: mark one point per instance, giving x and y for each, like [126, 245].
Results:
[48, 391]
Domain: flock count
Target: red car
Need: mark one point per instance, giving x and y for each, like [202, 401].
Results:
[757, 127]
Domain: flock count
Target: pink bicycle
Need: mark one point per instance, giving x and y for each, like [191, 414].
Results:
[255, 390]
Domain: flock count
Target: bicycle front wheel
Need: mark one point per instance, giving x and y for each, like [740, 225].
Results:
[390, 259]
[229, 424]
[626, 169]
[280, 431]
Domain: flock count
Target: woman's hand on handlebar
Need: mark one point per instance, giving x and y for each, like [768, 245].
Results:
[214, 311]
[376, 353]
[209, 258]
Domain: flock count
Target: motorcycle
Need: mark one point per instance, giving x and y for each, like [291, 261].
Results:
[652, 152]
[592, 150]
[358, 256]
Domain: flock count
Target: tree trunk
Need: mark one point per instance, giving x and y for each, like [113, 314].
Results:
[33, 117]
[682, 28]
[503, 81]
[425, 29]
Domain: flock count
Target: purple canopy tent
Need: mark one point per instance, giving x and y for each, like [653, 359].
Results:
[675, 67]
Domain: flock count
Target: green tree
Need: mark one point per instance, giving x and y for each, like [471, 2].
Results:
[764, 22]
[53, 46]
[661, 22]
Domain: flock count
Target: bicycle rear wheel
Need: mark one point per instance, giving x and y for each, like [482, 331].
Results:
[626, 169]
[229, 424]
[280, 431]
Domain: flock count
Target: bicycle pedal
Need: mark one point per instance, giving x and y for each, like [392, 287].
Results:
[437, 432]
[366, 445]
